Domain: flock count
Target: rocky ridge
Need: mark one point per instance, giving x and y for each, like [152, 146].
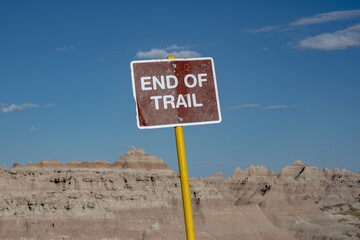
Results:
[139, 197]
[135, 159]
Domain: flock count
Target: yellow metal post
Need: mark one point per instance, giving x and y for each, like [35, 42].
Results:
[184, 179]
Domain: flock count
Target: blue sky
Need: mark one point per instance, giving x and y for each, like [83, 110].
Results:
[288, 77]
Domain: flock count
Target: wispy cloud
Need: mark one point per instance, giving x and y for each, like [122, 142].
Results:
[49, 105]
[65, 48]
[3, 104]
[276, 107]
[33, 128]
[265, 29]
[272, 107]
[343, 39]
[326, 17]
[175, 47]
[16, 108]
[316, 19]
[177, 51]
[242, 106]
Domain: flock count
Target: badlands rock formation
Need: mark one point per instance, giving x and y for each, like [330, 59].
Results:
[139, 197]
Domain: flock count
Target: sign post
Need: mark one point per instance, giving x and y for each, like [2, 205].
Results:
[176, 93]
[184, 179]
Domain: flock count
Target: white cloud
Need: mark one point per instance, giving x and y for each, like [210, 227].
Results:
[265, 29]
[265, 49]
[49, 105]
[3, 104]
[243, 106]
[157, 53]
[174, 47]
[65, 48]
[15, 108]
[326, 17]
[185, 54]
[276, 107]
[343, 39]
[33, 128]
[283, 107]
[317, 19]
[246, 106]
[153, 53]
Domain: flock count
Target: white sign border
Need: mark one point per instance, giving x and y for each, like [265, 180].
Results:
[178, 124]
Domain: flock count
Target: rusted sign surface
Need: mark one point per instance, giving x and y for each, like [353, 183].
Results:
[175, 92]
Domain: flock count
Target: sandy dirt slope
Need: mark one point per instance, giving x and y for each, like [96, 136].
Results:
[139, 197]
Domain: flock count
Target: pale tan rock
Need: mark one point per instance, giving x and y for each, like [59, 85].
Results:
[138, 159]
[297, 163]
[94, 200]
[238, 173]
[258, 171]
[95, 164]
[217, 175]
[16, 165]
[45, 164]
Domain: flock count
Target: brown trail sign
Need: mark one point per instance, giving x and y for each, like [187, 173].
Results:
[175, 92]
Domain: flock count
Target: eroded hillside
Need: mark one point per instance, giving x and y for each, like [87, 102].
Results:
[139, 197]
